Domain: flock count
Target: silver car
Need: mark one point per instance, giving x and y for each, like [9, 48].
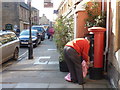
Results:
[9, 46]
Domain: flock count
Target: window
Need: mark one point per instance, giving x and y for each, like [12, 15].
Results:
[7, 37]
[6, 4]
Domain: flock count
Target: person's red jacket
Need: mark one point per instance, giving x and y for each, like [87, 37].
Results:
[81, 45]
[51, 31]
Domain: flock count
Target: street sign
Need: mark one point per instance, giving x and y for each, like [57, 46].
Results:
[47, 0]
[55, 12]
[48, 4]
[8, 27]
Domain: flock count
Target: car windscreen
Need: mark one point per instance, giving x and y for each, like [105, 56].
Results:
[34, 33]
[40, 29]
[7, 37]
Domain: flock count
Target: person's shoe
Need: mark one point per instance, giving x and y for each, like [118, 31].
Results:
[81, 83]
[75, 81]
[68, 80]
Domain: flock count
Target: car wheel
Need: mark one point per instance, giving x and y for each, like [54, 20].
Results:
[40, 41]
[16, 54]
[37, 42]
[43, 38]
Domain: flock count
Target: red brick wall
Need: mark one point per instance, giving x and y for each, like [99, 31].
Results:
[81, 30]
[80, 21]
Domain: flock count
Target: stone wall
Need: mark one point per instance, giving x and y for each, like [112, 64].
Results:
[10, 13]
[43, 20]
[114, 76]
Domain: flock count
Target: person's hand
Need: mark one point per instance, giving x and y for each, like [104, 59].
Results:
[91, 64]
[88, 63]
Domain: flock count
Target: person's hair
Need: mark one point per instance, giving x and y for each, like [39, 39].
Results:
[88, 37]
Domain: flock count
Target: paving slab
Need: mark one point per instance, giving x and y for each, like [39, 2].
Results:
[61, 85]
[95, 86]
[34, 76]
[90, 81]
[32, 85]
[8, 85]
[29, 67]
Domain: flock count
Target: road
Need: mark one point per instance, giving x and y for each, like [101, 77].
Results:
[23, 52]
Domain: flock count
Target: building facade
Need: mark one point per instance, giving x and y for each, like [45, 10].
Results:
[112, 35]
[35, 16]
[23, 15]
[10, 14]
[17, 14]
[66, 8]
[43, 20]
[113, 42]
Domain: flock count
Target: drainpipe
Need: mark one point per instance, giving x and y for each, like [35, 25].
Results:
[75, 22]
[107, 35]
[103, 5]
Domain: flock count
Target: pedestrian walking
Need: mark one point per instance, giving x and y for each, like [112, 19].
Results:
[48, 33]
[18, 32]
[74, 52]
[51, 33]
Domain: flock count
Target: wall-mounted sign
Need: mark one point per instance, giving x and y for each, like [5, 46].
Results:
[8, 27]
[47, 0]
[48, 4]
[55, 12]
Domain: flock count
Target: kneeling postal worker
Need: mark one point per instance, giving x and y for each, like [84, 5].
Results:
[73, 51]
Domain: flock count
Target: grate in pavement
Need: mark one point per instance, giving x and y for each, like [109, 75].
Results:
[52, 49]
[42, 60]
[45, 60]
[53, 62]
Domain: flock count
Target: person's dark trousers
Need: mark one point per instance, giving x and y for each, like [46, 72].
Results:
[73, 61]
[48, 36]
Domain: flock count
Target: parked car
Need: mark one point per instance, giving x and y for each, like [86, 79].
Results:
[9, 46]
[40, 30]
[45, 26]
[24, 37]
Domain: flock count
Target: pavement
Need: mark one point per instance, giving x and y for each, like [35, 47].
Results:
[43, 72]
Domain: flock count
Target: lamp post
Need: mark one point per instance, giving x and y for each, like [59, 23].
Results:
[30, 45]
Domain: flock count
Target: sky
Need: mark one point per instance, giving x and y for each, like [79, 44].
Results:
[39, 4]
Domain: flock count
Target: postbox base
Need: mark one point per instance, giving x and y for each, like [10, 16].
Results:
[96, 73]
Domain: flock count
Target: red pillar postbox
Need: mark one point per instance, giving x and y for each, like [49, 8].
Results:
[98, 51]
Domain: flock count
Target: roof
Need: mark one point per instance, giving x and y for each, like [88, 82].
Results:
[33, 8]
[23, 4]
[26, 6]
